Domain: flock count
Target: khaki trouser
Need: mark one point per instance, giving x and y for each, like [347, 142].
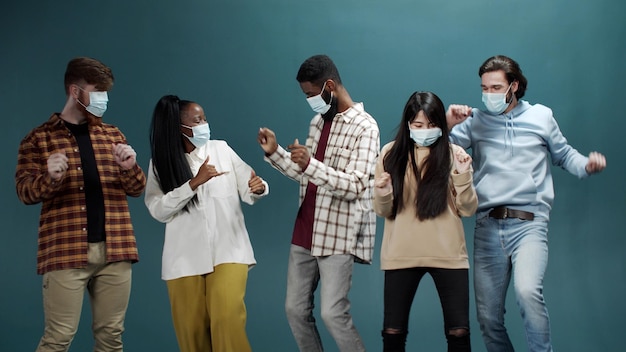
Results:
[108, 286]
[209, 312]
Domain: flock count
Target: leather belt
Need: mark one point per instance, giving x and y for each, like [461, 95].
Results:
[504, 212]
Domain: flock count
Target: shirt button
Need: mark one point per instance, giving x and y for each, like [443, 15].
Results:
[78, 168]
[81, 188]
[82, 208]
[84, 229]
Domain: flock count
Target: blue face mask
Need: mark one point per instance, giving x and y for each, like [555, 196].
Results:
[425, 137]
[97, 103]
[201, 134]
[318, 104]
[496, 102]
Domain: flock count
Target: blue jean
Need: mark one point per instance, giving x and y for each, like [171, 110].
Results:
[335, 274]
[505, 247]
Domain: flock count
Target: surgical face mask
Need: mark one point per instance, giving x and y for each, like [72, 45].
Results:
[318, 104]
[496, 102]
[425, 137]
[201, 134]
[97, 103]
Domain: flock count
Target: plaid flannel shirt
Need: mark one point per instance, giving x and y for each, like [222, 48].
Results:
[344, 221]
[62, 240]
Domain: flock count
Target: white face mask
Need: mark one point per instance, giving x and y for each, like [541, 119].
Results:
[425, 137]
[496, 102]
[97, 103]
[201, 134]
[318, 104]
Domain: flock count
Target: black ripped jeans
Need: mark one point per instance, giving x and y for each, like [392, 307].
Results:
[453, 289]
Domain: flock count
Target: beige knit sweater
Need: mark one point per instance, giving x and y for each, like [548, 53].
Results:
[439, 242]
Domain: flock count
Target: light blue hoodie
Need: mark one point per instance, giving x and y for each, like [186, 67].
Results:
[510, 152]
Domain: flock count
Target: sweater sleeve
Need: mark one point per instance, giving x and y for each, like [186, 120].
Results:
[466, 201]
[383, 204]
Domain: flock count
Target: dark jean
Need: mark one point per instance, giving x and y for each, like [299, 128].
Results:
[453, 289]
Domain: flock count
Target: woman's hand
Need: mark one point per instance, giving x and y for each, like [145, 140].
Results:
[205, 173]
[462, 160]
[256, 183]
[382, 184]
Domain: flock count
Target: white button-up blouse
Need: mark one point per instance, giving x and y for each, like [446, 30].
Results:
[213, 231]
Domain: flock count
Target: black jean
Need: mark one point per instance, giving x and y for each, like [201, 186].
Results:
[453, 289]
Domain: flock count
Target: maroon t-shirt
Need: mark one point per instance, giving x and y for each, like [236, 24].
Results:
[303, 228]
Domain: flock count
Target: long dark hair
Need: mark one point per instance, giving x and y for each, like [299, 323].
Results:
[433, 175]
[166, 145]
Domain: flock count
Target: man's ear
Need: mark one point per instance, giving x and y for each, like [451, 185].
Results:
[74, 91]
[515, 86]
[331, 85]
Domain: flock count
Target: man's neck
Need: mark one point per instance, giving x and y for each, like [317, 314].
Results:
[76, 120]
[511, 106]
[344, 102]
[71, 114]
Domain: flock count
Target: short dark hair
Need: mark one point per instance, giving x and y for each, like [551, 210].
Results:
[90, 71]
[317, 69]
[511, 70]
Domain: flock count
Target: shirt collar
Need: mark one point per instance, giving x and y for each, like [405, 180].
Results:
[352, 112]
[56, 120]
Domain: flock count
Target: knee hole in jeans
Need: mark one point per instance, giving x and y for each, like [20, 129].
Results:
[459, 332]
[394, 331]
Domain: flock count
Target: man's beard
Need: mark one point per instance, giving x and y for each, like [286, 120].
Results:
[330, 114]
[93, 120]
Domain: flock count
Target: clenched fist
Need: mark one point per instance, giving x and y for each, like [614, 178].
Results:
[462, 160]
[382, 184]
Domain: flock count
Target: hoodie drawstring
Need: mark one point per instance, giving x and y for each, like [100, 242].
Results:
[509, 131]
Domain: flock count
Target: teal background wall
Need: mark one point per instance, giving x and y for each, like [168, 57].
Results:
[239, 60]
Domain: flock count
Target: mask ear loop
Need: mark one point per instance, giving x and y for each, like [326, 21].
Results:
[512, 93]
[323, 87]
[80, 89]
[188, 127]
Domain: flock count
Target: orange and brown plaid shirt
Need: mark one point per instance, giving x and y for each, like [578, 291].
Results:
[62, 240]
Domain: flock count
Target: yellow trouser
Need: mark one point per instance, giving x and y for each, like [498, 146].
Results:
[208, 311]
